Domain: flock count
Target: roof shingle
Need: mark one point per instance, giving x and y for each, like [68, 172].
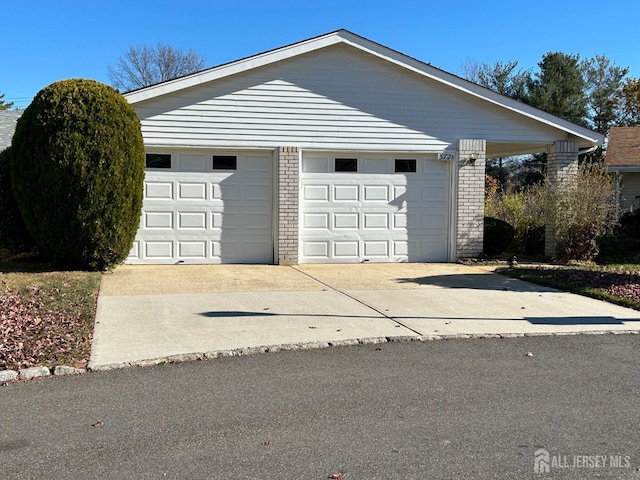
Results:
[8, 120]
[623, 149]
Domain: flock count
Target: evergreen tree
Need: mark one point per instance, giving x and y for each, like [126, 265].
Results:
[559, 88]
[4, 105]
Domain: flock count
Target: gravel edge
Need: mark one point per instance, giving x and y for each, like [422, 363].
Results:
[11, 376]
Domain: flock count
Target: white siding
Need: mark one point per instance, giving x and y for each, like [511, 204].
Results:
[333, 98]
[630, 183]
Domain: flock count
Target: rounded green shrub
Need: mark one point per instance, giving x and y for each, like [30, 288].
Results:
[77, 173]
[498, 235]
[14, 236]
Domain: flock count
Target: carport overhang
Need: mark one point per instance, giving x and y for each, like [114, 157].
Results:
[510, 149]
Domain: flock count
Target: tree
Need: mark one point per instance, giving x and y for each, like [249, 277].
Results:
[559, 88]
[604, 81]
[629, 101]
[145, 65]
[501, 78]
[4, 105]
[77, 172]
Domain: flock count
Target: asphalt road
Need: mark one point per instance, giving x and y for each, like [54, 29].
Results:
[454, 409]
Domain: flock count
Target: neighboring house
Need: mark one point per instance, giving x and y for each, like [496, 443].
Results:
[8, 120]
[335, 149]
[623, 158]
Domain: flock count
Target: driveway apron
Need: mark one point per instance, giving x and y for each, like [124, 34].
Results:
[154, 313]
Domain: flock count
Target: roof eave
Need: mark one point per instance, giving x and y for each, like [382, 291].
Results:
[386, 53]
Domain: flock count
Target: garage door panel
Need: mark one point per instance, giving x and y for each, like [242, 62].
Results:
[256, 221]
[317, 249]
[158, 220]
[376, 193]
[192, 249]
[374, 214]
[375, 165]
[315, 193]
[315, 164]
[346, 193]
[257, 193]
[399, 192]
[346, 249]
[195, 214]
[158, 190]
[158, 249]
[225, 191]
[192, 220]
[192, 191]
[345, 221]
[315, 221]
[375, 248]
[192, 163]
[434, 223]
[376, 221]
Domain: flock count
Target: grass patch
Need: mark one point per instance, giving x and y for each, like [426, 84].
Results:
[615, 283]
[46, 316]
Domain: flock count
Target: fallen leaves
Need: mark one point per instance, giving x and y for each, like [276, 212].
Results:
[39, 325]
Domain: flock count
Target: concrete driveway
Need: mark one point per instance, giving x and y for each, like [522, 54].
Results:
[148, 314]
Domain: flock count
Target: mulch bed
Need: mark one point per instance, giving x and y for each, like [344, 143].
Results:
[625, 284]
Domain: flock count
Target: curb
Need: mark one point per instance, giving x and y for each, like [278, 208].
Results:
[289, 347]
[36, 372]
[10, 376]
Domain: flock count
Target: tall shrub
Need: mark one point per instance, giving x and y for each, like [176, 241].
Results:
[77, 173]
[523, 209]
[581, 209]
[14, 236]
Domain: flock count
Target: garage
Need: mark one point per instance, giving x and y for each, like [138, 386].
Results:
[373, 208]
[335, 149]
[206, 207]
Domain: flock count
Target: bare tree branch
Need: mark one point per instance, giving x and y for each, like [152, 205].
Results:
[143, 65]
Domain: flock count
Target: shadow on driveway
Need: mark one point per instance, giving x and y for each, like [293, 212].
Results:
[477, 282]
[575, 320]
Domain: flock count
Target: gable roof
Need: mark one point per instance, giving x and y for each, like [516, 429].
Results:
[583, 136]
[8, 120]
[623, 148]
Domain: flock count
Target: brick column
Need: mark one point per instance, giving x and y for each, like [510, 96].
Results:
[288, 203]
[470, 201]
[562, 166]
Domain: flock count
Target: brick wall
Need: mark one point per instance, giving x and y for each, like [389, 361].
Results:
[562, 165]
[470, 201]
[288, 205]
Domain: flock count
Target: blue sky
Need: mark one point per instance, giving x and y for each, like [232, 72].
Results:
[42, 41]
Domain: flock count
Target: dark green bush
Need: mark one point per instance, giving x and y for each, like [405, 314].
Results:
[629, 225]
[618, 249]
[14, 236]
[78, 172]
[498, 235]
[534, 237]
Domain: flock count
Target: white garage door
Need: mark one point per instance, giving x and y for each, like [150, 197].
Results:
[206, 207]
[376, 208]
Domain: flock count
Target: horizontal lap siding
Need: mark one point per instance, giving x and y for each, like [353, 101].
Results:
[630, 190]
[337, 97]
